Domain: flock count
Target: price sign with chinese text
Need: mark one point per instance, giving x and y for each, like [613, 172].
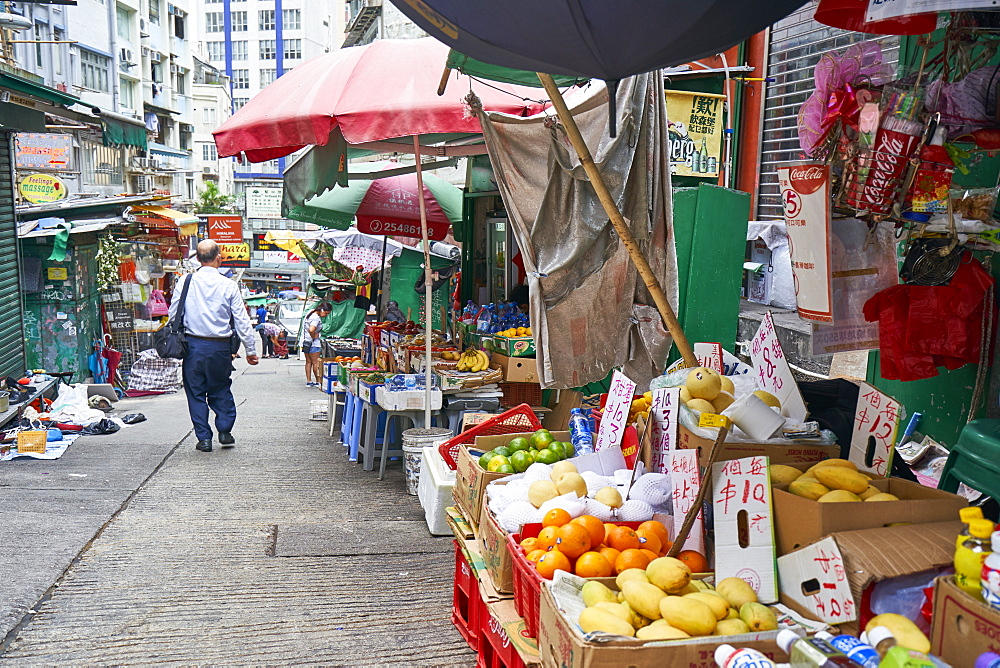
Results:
[663, 415]
[709, 356]
[685, 480]
[744, 536]
[772, 372]
[815, 578]
[876, 420]
[615, 412]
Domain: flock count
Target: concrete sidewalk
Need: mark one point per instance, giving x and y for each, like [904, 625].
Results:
[277, 551]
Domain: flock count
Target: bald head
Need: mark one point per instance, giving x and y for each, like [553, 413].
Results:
[208, 251]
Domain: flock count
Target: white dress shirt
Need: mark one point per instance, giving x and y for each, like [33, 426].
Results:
[211, 301]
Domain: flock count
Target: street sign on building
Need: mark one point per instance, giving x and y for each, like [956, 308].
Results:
[263, 202]
[37, 150]
[225, 229]
[41, 188]
[235, 255]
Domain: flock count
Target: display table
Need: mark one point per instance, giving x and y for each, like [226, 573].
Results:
[44, 389]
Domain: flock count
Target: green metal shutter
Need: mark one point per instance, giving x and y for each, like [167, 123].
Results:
[12, 361]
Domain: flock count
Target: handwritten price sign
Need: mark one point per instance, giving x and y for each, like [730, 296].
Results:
[876, 422]
[663, 421]
[772, 371]
[685, 479]
[744, 537]
[709, 356]
[615, 412]
[815, 578]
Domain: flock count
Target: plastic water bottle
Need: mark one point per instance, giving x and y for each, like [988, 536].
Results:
[727, 656]
[580, 434]
[860, 653]
[990, 576]
[988, 660]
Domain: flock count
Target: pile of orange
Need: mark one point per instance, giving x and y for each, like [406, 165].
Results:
[588, 547]
[340, 359]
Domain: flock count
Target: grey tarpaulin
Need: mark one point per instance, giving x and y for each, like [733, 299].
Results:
[587, 301]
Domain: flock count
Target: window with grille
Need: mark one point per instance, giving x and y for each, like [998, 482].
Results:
[239, 21]
[241, 79]
[293, 49]
[216, 50]
[126, 88]
[267, 76]
[238, 102]
[154, 11]
[268, 49]
[102, 165]
[797, 42]
[209, 153]
[291, 19]
[214, 23]
[266, 19]
[240, 50]
[94, 69]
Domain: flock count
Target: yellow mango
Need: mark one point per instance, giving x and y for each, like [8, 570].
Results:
[693, 617]
[839, 496]
[781, 474]
[660, 632]
[758, 617]
[839, 477]
[870, 492]
[807, 489]
[731, 627]
[736, 591]
[715, 601]
[903, 629]
[594, 592]
[669, 574]
[644, 598]
[597, 619]
[630, 574]
[883, 497]
[617, 610]
[843, 463]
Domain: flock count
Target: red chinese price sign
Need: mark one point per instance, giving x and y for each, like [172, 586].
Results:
[772, 372]
[815, 578]
[876, 420]
[615, 412]
[710, 356]
[663, 415]
[744, 536]
[685, 480]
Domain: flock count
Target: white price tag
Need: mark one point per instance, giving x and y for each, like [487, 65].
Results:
[615, 412]
[663, 421]
[876, 423]
[710, 356]
[685, 479]
[773, 373]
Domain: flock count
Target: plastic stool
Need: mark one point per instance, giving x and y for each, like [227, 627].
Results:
[389, 446]
[368, 437]
[355, 438]
[975, 459]
[347, 419]
[335, 411]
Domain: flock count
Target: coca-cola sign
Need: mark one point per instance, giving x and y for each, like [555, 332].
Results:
[807, 179]
[890, 156]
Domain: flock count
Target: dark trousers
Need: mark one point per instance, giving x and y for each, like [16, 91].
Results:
[208, 368]
[266, 346]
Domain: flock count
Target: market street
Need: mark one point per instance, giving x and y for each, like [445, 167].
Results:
[278, 551]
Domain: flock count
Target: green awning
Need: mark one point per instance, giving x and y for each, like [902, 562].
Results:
[119, 133]
[28, 87]
[476, 68]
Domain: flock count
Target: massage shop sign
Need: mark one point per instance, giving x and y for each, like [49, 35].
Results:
[41, 188]
[696, 125]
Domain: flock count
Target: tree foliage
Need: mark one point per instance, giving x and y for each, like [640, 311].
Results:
[211, 200]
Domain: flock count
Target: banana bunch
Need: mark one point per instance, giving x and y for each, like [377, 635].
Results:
[473, 360]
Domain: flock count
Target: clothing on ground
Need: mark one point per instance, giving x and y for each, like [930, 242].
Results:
[212, 302]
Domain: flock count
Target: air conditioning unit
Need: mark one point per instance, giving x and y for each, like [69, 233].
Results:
[208, 170]
[145, 52]
[155, 56]
[126, 55]
[142, 28]
[143, 184]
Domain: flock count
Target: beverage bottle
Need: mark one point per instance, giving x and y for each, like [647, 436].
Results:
[881, 639]
[966, 515]
[811, 652]
[860, 653]
[727, 656]
[990, 575]
[971, 555]
[988, 660]
[580, 434]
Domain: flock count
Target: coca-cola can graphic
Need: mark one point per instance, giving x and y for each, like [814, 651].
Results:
[894, 143]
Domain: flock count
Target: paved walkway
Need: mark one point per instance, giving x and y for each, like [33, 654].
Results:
[136, 549]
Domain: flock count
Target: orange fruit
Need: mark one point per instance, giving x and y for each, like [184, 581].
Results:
[631, 558]
[593, 565]
[535, 555]
[649, 553]
[547, 538]
[530, 544]
[593, 526]
[573, 540]
[609, 553]
[696, 561]
[623, 538]
[556, 518]
[658, 528]
[649, 540]
[551, 562]
[608, 528]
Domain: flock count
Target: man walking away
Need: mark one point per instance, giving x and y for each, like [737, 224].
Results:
[213, 309]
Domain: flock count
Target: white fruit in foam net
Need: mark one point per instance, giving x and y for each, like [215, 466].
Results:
[624, 476]
[598, 510]
[516, 514]
[635, 510]
[653, 488]
[538, 471]
[571, 503]
[594, 482]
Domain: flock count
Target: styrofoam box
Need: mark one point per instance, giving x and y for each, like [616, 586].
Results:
[434, 490]
[406, 400]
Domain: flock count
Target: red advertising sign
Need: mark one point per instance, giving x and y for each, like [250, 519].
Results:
[401, 227]
[225, 229]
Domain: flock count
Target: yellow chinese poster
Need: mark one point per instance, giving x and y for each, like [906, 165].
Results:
[695, 132]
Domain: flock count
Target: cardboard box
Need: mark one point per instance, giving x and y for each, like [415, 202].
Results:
[799, 522]
[505, 628]
[516, 369]
[827, 580]
[962, 627]
[493, 546]
[795, 452]
[562, 645]
[514, 346]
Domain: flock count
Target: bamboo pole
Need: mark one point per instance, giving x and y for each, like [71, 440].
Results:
[428, 284]
[618, 221]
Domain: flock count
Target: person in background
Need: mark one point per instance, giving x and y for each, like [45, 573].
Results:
[213, 312]
[281, 345]
[269, 336]
[266, 345]
[519, 295]
[312, 343]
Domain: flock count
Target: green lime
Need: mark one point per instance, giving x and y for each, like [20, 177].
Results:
[502, 450]
[497, 463]
[521, 460]
[541, 438]
[506, 468]
[558, 448]
[570, 450]
[546, 456]
[484, 461]
[534, 453]
[519, 443]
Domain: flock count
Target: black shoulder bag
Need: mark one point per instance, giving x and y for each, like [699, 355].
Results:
[170, 340]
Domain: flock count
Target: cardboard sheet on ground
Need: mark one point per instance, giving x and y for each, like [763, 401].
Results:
[53, 450]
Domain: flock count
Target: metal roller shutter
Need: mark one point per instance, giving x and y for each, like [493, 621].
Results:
[11, 314]
[796, 45]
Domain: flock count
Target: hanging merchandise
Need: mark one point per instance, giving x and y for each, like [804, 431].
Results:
[107, 261]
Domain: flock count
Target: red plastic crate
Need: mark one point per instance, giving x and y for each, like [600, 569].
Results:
[466, 604]
[527, 581]
[495, 648]
[516, 420]
[521, 393]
